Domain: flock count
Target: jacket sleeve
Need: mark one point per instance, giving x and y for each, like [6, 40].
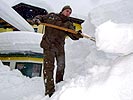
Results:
[42, 18]
[73, 36]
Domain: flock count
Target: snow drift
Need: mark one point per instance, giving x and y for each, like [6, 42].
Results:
[115, 38]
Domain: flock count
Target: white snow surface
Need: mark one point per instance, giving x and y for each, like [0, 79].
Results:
[115, 38]
[20, 41]
[118, 12]
[112, 81]
[90, 74]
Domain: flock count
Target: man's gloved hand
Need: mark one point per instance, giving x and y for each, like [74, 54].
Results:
[79, 34]
[36, 21]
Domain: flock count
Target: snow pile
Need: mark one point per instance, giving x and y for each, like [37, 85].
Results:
[15, 86]
[101, 83]
[3, 68]
[90, 74]
[20, 41]
[113, 82]
[115, 38]
[119, 12]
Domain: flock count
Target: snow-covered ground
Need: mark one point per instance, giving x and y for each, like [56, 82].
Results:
[94, 71]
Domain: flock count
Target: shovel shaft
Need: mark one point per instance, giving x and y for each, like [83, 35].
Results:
[69, 30]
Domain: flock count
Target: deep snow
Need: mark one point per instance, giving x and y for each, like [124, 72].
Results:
[92, 72]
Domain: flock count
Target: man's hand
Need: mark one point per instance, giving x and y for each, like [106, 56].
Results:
[36, 21]
[79, 34]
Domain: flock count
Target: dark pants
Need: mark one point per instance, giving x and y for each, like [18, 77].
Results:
[49, 60]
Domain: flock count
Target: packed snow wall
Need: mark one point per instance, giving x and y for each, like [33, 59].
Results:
[118, 12]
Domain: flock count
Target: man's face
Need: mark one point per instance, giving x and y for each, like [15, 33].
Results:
[67, 12]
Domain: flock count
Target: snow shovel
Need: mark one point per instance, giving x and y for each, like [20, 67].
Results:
[69, 30]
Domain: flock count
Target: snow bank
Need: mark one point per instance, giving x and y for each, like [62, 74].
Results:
[15, 86]
[115, 38]
[101, 83]
[89, 75]
[119, 12]
[3, 67]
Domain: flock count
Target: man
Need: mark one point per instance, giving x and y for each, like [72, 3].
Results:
[53, 46]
